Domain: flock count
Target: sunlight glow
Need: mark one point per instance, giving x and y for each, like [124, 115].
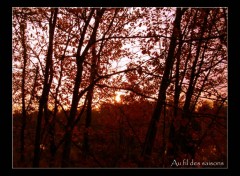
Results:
[118, 98]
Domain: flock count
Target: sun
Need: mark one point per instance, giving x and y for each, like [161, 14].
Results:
[118, 98]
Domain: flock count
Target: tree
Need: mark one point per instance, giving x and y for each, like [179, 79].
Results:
[29, 77]
[79, 59]
[46, 87]
[24, 113]
[152, 129]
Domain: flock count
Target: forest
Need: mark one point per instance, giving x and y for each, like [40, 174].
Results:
[134, 87]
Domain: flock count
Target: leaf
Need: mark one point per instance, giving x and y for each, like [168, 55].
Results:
[139, 70]
[144, 51]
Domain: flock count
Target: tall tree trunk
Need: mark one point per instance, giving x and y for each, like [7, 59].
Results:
[86, 147]
[24, 113]
[95, 61]
[193, 74]
[177, 91]
[46, 88]
[53, 147]
[75, 99]
[183, 138]
[89, 100]
[176, 100]
[76, 96]
[152, 129]
[210, 27]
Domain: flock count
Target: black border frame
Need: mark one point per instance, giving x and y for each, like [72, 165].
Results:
[6, 88]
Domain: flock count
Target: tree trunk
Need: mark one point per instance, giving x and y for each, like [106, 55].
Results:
[86, 146]
[172, 151]
[183, 138]
[193, 75]
[152, 129]
[46, 88]
[24, 113]
[78, 79]
[201, 63]
[176, 100]
[53, 147]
